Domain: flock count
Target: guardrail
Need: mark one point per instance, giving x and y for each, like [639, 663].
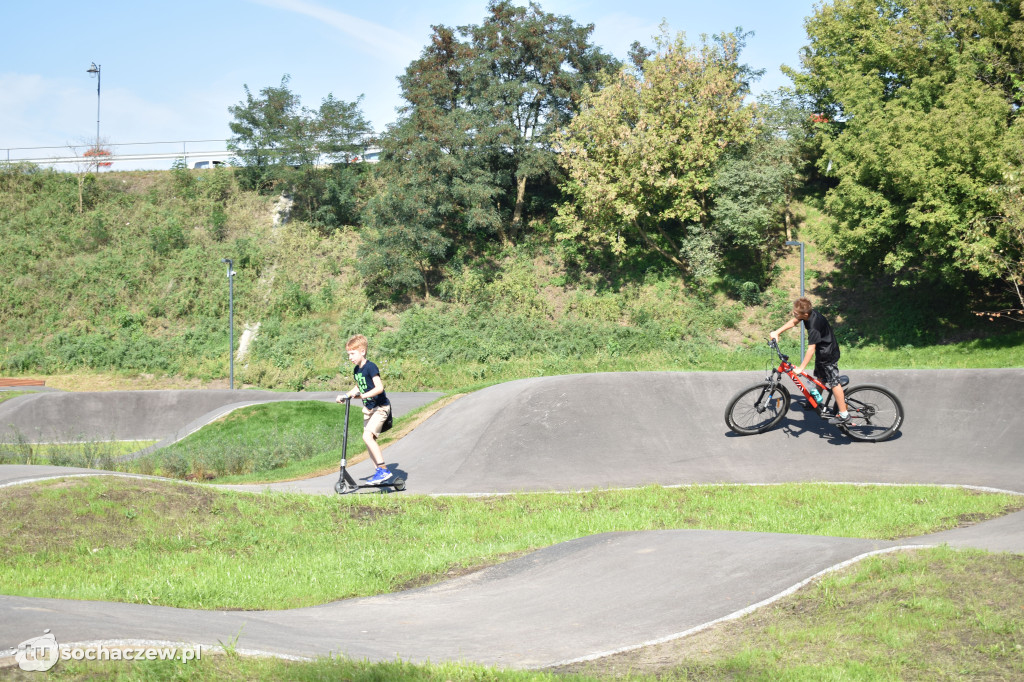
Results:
[122, 151]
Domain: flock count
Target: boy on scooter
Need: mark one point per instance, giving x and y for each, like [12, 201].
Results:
[376, 406]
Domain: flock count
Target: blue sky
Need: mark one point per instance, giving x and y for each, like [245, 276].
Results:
[170, 70]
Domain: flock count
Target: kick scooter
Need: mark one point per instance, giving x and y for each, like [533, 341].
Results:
[346, 484]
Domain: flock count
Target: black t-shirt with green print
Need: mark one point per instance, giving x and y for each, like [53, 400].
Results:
[819, 334]
[364, 380]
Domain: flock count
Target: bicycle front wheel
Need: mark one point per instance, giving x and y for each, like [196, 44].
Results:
[757, 409]
[875, 413]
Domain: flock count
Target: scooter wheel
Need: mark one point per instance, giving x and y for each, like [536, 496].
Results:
[400, 484]
[341, 488]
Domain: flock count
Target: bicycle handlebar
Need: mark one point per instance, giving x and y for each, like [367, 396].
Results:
[773, 344]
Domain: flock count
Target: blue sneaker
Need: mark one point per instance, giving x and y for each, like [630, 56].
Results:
[382, 475]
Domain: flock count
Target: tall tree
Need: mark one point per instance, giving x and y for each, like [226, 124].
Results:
[433, 186]
[482, 103]
[918, 99]
[998, 247]
[643, 153]
[280, 141]
[527, 72]
[755, 183]
[264, 132]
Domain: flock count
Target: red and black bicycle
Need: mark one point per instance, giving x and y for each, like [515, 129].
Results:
[875, 412]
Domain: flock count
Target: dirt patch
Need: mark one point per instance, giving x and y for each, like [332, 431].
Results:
[368, 515]
[102, 511]
[457, 571]
[965, 520]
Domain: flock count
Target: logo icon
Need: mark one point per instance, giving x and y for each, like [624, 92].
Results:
[38, 654]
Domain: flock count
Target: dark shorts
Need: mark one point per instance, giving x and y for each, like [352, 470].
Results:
[827, 373]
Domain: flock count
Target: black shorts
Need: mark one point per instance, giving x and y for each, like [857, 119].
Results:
[827, 373]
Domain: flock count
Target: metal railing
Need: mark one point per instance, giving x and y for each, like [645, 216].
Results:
[129, 152]
[121, 151]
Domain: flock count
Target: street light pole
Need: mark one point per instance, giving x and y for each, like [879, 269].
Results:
[801, 245]
[95, 69]
[231, 320]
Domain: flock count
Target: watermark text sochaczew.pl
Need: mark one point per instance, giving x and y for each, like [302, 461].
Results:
[42, 653]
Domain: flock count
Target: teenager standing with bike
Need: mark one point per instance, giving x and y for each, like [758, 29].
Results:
[823, 347]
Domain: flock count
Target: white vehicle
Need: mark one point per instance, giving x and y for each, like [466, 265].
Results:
[210, 163]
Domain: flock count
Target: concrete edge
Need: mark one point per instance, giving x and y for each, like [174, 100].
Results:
[268, 487]
[735, 614]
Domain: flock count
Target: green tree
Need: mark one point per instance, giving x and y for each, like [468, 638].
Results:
[483, 102]
[643, 153]
[917, 100]
[527, 72]
[755, 182]
[998, 248]
[431, 186]
[308, 150]
[265, 133]
[400, 252]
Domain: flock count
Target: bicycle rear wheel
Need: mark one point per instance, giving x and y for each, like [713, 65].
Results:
[757, 409]
[875, 413]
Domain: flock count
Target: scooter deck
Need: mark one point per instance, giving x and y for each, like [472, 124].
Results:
[346, 484]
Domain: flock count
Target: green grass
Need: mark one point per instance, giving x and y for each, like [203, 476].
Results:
[270, 442]
[995, 352]
[157, 542]
[7, 395]
[287, 438]
[87, 454]
[233, 667]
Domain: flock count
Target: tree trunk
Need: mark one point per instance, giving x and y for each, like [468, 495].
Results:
[426, 284]
[683, 268]
[517, 214]
[787, 214]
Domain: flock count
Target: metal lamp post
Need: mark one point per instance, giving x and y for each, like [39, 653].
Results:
[802, 331]
[95, 70]
[231, 320]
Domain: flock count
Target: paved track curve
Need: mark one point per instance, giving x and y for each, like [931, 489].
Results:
[164, 416]
[591, 596]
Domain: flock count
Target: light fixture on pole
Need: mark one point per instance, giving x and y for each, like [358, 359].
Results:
[231, 320]
[95, 70]
[801, 245]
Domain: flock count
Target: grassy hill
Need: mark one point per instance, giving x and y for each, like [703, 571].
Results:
[118, 276]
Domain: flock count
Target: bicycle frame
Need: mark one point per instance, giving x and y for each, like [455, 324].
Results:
[789, 369]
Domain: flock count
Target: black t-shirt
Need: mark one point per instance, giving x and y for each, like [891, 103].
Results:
[364, 380]
[819, 334]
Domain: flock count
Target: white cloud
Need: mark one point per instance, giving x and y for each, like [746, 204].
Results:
[384, 42]
[33, 103]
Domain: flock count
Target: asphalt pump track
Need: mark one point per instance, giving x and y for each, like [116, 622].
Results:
[591, 597]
